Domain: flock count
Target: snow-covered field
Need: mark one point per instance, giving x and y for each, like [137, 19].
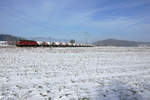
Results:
[96, 73]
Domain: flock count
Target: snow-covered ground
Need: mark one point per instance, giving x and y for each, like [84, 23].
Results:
[96, 73]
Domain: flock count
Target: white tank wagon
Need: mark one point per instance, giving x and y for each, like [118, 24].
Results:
[77, 45]
[40, 43]
[80, 45]
[84, 45]
[69, 44]
[63, 44]
[55, 44]
[46, 44]
[49, 43]
[73, 44]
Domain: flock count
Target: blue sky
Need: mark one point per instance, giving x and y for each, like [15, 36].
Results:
[73, 19]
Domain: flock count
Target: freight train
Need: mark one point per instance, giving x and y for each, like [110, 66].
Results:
[31, 43]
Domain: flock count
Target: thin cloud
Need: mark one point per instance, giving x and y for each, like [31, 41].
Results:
[69, 16]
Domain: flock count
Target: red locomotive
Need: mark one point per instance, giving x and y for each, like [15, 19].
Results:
[26, 43]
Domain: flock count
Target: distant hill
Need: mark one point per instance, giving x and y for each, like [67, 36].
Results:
[7, 37]
[120, 43]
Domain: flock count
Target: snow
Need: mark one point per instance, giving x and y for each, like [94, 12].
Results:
[90, 73]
